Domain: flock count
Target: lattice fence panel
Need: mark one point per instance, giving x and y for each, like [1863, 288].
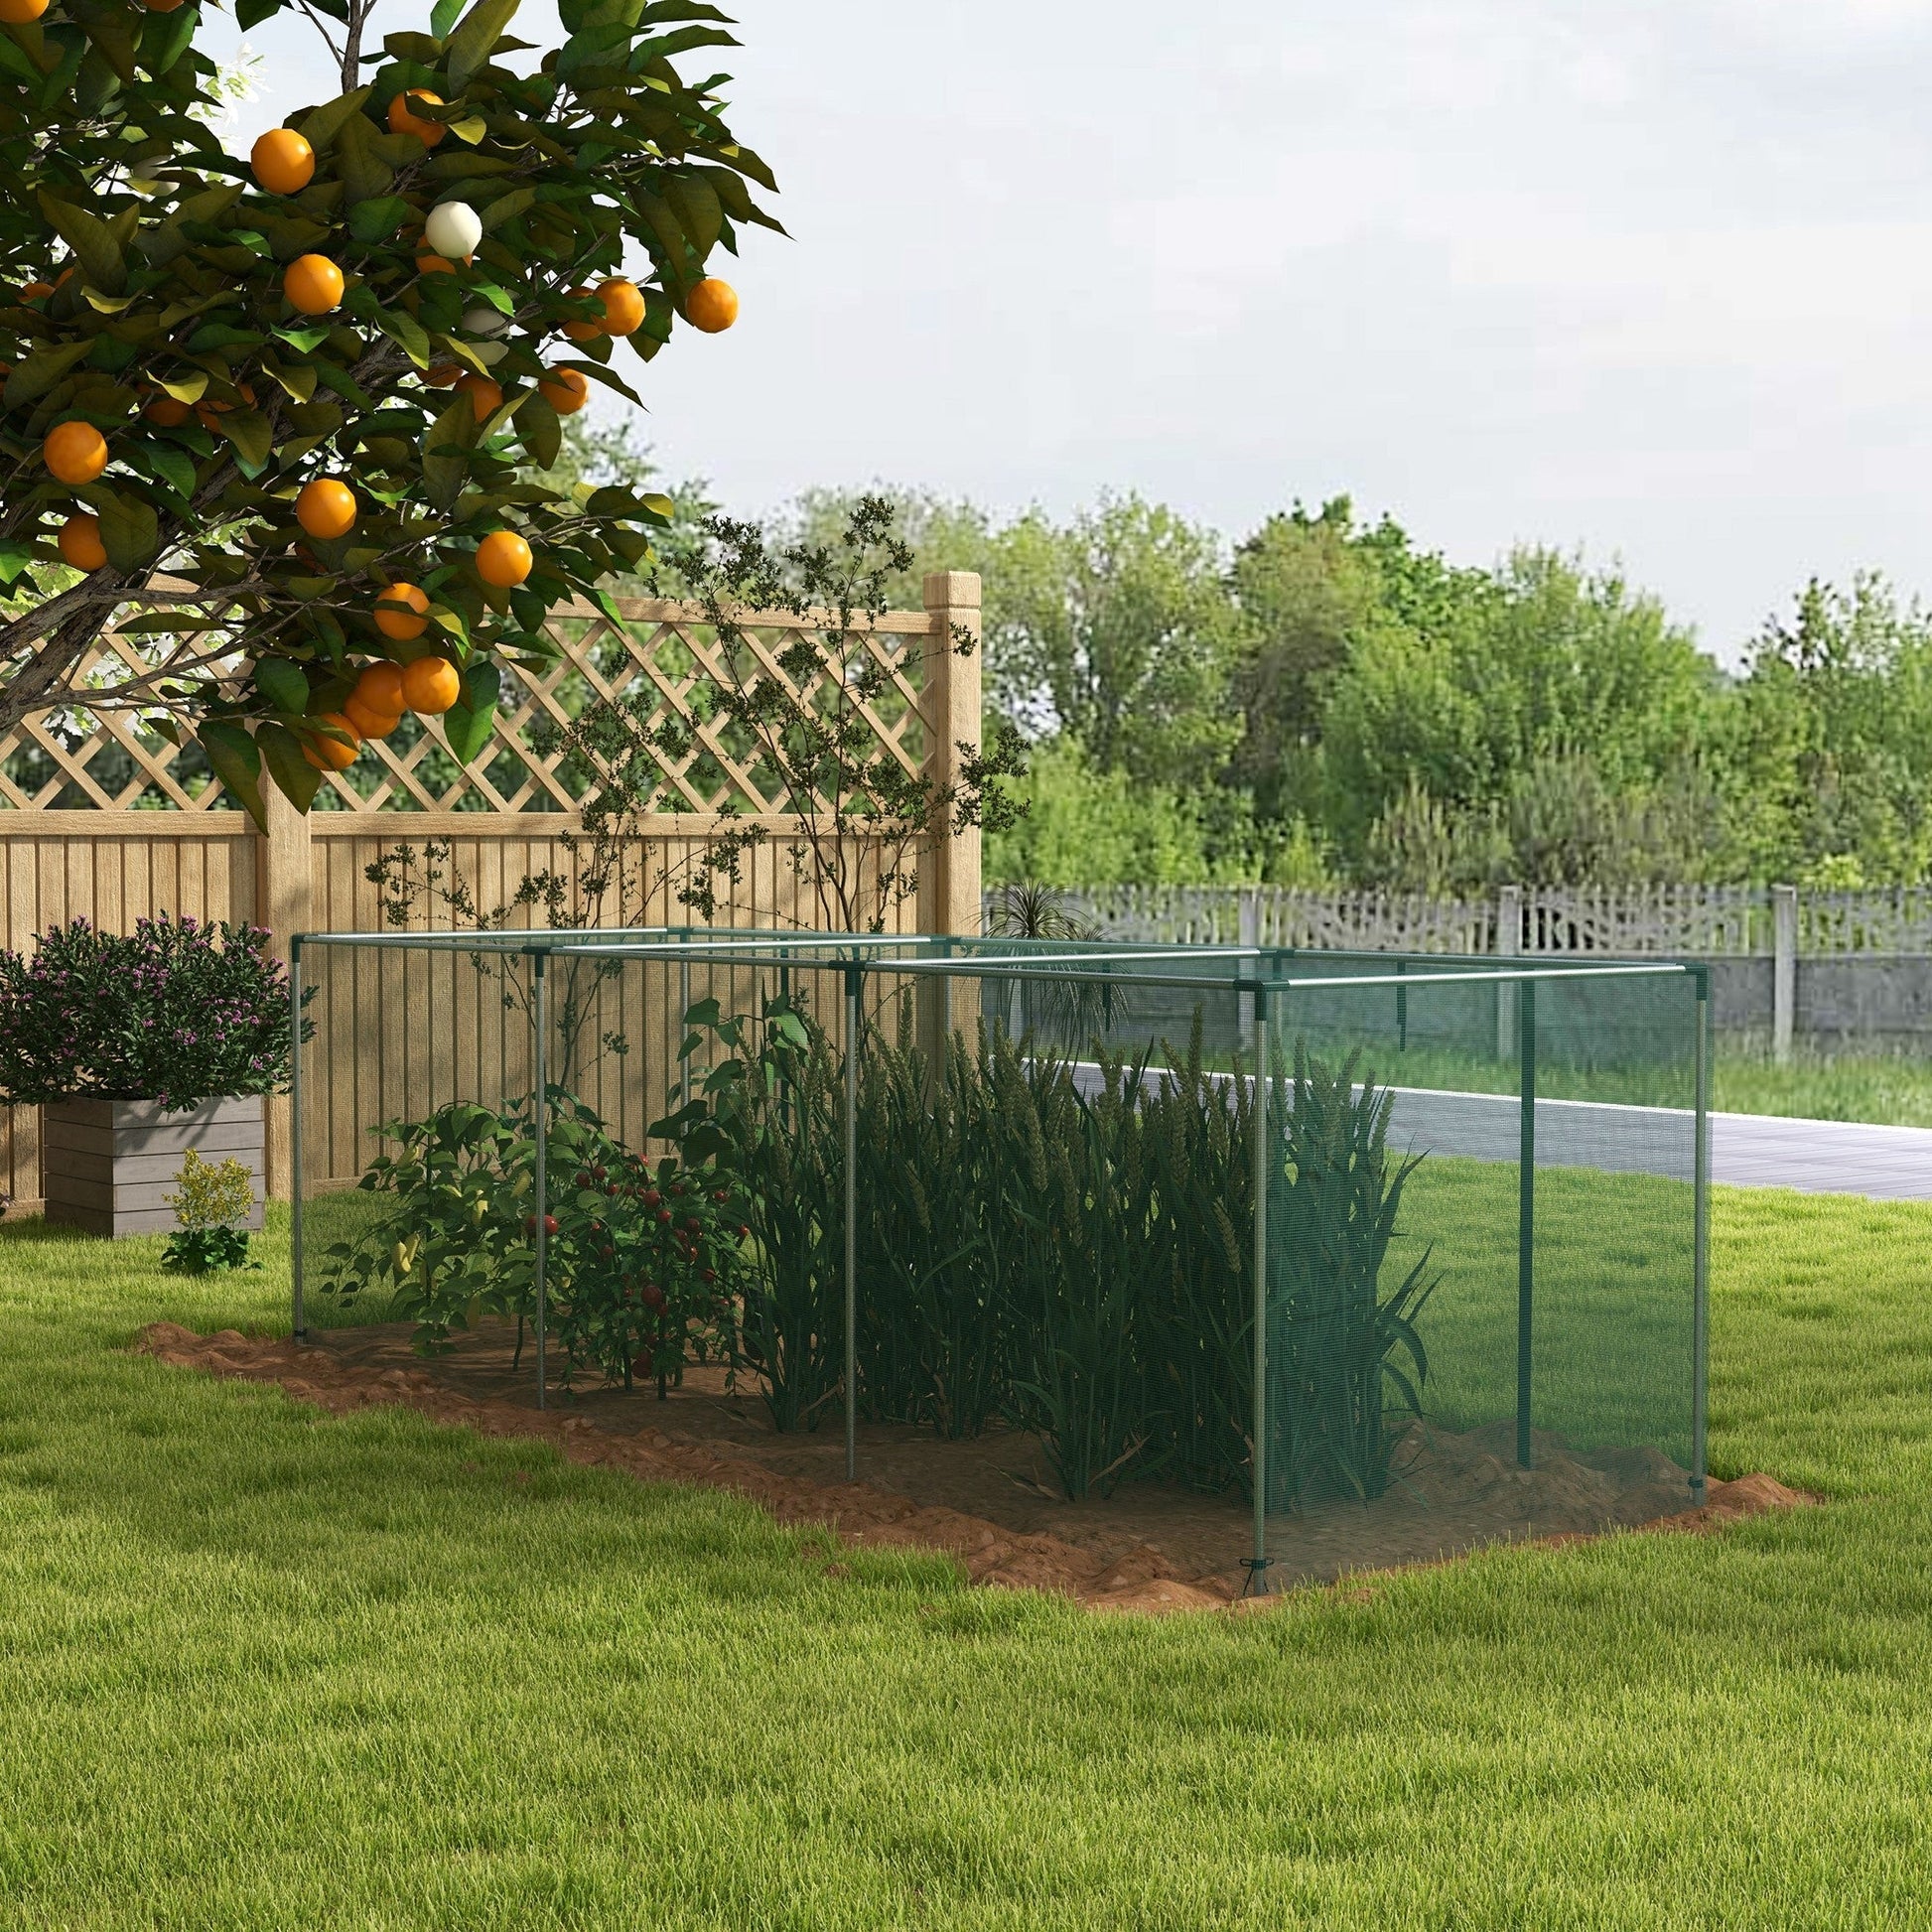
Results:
[661, 652]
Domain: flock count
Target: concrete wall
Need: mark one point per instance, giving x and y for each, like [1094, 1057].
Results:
[1845, 1002]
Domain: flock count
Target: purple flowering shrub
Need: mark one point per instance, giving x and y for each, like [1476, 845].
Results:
[176, 1011]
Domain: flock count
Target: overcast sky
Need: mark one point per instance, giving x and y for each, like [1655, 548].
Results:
[1649, 278]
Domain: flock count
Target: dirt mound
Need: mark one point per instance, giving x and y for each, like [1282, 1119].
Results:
[989, 1503]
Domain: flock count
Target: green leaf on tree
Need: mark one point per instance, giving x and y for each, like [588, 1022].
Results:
[165, 37]
[476, 33]
[234, 758]
[294, 776]
[298, 383]
[91, 240]
[322, 125]
[248, 432]
[130, 533]
[466, 724]
[376, 220]
[696, 207]
[541, 434]
[507, 208]
[167, 463]
[42, 371]
[16, 63]
[445, 453]
[283, 684]
[406, 332]
[365, 175]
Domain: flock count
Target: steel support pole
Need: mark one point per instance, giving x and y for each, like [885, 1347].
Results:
[1700, 1252]
[542, 1119]
[1264, 1170]
[1525, 1213]
[683, 1028]
[852, 984]
[298, 1323]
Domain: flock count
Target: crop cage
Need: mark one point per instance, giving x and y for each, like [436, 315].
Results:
[1038, 1184]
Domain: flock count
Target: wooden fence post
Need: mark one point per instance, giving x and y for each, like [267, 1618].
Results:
[949, 870]
[1784, 969]
[285, 892]
[949, 878]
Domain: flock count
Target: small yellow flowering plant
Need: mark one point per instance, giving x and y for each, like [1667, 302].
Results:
[210, 1202]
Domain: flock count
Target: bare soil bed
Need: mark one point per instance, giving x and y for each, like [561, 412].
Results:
[991, 1503]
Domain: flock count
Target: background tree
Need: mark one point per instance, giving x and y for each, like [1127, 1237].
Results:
[297, 403]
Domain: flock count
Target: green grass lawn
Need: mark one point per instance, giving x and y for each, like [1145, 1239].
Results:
[1888, 1089]
[1615, 1261]
[267, 1669]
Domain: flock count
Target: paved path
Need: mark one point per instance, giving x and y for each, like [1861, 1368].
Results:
[1817, 1157]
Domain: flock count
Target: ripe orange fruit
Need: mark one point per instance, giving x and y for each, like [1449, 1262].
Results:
[624, 305]
[582, 331]
[17, 13]
[325, 507]
[434, 265]
[35, 291]
[76, 453]
[166, 411]
[80, 542]
[369, 723]
[504, 559]
[443, 376]
[379, 687]
[485, 396]
[431, 685]
[329, 754]
[401, 624]
[565, 390]
[712, 305]
[402, 121]
[283, 161]
[313, 284]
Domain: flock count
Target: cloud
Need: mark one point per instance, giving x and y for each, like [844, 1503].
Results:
[1646, 274]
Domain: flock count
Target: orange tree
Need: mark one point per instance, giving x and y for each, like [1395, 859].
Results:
[292, 406]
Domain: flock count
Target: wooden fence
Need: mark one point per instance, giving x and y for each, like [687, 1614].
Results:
[102, 819]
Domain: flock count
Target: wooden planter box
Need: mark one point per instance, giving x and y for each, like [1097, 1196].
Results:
[106, 1164]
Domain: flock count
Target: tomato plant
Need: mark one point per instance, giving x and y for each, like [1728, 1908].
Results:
[649, 1261]
[643, 1265]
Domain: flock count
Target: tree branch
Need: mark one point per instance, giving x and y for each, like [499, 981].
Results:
[358, 14]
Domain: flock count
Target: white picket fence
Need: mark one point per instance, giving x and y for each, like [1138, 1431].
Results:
[1697, 921]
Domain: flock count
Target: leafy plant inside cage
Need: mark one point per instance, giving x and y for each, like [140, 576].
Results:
[1343, 1355]
[641, 1262]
